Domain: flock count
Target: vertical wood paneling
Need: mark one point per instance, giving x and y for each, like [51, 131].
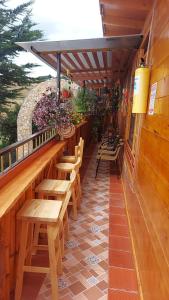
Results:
[147, 192]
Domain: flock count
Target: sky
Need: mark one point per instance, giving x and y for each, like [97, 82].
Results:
[62, 20]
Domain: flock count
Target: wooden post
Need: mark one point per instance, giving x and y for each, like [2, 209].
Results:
[58, 76]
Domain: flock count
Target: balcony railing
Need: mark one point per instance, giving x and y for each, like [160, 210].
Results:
[15, 153]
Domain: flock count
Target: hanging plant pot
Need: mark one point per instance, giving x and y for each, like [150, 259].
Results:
[66, 94]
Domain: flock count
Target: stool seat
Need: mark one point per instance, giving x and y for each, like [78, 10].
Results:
[68, 159]
[53, 186]
[40, 210]
[65, 167]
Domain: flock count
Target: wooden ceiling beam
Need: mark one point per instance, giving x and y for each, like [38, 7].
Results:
[110, 30]
[92, 77]
[98, 85]
[91, 70]
[138, 5]
[138, 15]
[122, 22]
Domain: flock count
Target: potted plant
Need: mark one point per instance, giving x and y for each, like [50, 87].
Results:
[84, 101]
[66, 93]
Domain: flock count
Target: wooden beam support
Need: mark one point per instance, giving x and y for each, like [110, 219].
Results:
[58, 77]
[97, 85]
[91, 70]
[139, 5]
[122, 22]
[92, 77]
[110, 30]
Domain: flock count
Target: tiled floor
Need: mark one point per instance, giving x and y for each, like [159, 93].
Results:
[122, 274]
[86, 257]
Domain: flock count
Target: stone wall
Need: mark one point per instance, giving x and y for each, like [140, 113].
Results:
[24, 120]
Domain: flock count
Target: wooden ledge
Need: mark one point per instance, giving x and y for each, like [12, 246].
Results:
[11, 191]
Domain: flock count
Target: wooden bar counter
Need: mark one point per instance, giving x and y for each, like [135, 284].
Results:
[12, 196]
[18, 185]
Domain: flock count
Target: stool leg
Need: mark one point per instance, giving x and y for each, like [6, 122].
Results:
[21, 260]
[79, 190]
[74, 202]
[52, 263]
[36, 237]
[59, 261]
[66, 227]
[29, 244]
[61, 241]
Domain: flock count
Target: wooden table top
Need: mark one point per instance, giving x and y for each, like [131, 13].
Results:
[13, 189]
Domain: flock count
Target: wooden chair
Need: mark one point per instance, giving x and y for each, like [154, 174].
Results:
[108, 156]
[51, 214]
[78, 152]
[109, 150]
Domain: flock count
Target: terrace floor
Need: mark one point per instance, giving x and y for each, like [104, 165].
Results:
[90, 256]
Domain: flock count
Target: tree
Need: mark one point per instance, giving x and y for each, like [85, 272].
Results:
[8, 128]
[15, 26]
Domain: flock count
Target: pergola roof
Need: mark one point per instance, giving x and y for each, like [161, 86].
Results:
[90, 59]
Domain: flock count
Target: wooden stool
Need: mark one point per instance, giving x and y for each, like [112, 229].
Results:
[55, 188]
[47, 212]
[73, 158]
[66, 168]
[70, 158]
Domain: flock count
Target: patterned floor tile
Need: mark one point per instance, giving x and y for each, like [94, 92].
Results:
[86, 251]
[85, 263]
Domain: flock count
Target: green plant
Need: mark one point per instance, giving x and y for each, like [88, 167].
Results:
[116, 97]
[85, 101]
[8, 126]
[80, 103]
[15, 26]
[77, 118]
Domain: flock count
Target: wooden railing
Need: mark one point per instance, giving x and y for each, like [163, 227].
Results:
[15, 153]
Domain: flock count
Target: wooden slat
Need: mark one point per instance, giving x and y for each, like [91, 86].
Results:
[87, 59]
[137, 5]
[96, 60]
[117, 30]
[137, 15]
[123, 22]
[93, 69]
[80, 61]
[105, 59]
[67, 57]
[92, 76]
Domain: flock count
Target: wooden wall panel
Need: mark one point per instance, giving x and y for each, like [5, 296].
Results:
[147, 187]
[152, 268]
